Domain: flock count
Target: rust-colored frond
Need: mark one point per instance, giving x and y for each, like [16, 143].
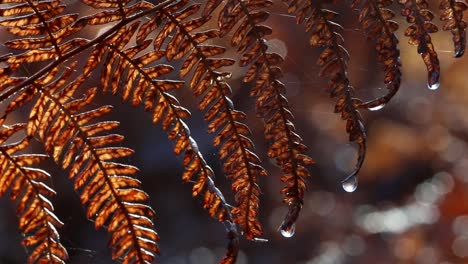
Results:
[10, 85]
[377, 24]
[140, 84]
[30, 91]
[334, 62]
[452, 14]
[41, 29]
[37, 222]
[111, 15]
[419, 17]
[241, 164]
[236, 150]
[138, 79]
[106, 3]
[285, 145]
[84, 146]
[210, 6]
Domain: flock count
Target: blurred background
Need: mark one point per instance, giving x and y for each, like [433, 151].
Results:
[411, 205]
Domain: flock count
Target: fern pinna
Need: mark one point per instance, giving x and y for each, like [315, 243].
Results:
[135, 57]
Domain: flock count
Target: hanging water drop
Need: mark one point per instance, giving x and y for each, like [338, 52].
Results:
[288, 230]
[350, 184]
[377, 107]
[433, 78]
[433, 86]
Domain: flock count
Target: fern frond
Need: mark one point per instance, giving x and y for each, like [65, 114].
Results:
[419, 17]
[30, 92]
[334, 62]
[119, 13]
[241, 164]
[210, 6]
[37, 222]
[137, 79]
[11, 85]
[452, 14]
[41, 30]
[78, 143]
[377, 24]
[285, 145]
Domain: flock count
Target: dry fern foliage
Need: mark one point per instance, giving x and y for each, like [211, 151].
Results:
[133, 54]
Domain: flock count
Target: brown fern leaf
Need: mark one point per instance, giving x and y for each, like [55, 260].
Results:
[111, 14]
[419, 17]
[41, 29]
[334, 62]
[29, 92]
[236, 150]
[375, 19]
[37, 222]
[106, 4]
[210, 6]
[145, 87]
[79, 143]
[241, 164]
[452, 14]
[137, 77]
[5, 71]
[10, 85]
[285, 145]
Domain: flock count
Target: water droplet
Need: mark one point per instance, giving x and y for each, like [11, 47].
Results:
[288, 231]
[224, 76]
[433, 80]
[377, 107]
[350, 184]
[433, 86]
[261, 240]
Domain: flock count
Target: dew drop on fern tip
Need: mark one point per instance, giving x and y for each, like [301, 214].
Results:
[377, 107]
[288, 230]
[433, 80]
[433, 86]
[350, 184]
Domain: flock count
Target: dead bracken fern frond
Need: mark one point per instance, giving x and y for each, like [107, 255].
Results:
[28, 185]
[452, 15]
[40, 28]
[420, 18]
[78, 143]
[377, 24]
[145, 52]
[334, 62]
[285, 145]
[241, 164]
[143, 87]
